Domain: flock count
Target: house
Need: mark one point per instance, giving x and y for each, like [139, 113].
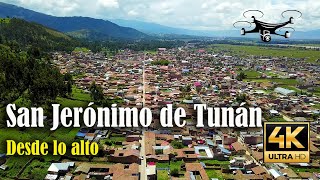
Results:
[289, 173]
[275, 174]
[203, 152]
[251, 138]
[132, 138]
[242, 163]
[228, 139]
[186, 140]
[259, 170]
[285, 92]
[185, 154]
[2, 159]
[239, 148]
[258, 156]
[241, 176]
[58, 169]
[195, 171]
[125, 156]
[105, 171]
[151, 172]
[273, 112]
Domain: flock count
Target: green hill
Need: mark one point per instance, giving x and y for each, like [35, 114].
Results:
[20, 34]
[90, 28]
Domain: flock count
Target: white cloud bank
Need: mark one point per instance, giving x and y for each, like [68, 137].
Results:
[200, 14]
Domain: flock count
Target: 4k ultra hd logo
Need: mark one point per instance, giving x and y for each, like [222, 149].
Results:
[286, 143]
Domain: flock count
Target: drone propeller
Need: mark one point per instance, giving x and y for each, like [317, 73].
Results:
[293, 30]
[284, 12]
[234, 24]
[244, 14]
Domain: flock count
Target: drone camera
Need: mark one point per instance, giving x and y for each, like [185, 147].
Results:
[287, 34]
[243, 32]
[267, 29]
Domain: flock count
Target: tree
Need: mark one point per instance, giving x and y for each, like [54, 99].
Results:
[69, 82]
[241, 98]
[176, 144]
[241, 76]
[185, 89]
[96, 92]
[174, 172]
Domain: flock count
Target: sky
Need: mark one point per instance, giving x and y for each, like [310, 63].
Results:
[191, 14]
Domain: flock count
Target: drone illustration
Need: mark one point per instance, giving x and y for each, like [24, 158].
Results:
[266, 29]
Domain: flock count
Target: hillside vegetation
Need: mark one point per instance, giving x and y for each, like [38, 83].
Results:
[20, 34]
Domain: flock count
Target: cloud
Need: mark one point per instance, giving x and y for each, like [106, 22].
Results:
[200, 14]
[108, 3]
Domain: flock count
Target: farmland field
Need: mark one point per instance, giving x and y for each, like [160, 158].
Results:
[310, 55]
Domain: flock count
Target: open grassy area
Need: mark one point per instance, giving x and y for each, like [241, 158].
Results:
[317, 106]
[172, 165]
[291, 82]
[14, 166]
[66, 135]
[36, 170]
[118, 139]
[162, 175]
[212, 173]
[251, 73]
[80, 95]
[310, 55]
[317, 91]
[71, 103]
[81, 49]
[305, 169]
[21, 136]
[152, 52]
[277, 119]
[213, 161]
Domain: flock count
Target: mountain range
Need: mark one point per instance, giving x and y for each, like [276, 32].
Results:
[98, 29]
[153, 28]
[78, 26]
[21, 34]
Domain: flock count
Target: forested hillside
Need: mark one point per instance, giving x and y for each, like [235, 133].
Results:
[20, 34]
[26, 72]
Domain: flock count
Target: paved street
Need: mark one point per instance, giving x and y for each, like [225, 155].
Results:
[142, 167]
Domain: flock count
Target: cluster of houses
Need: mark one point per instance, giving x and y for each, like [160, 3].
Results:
[194, 76]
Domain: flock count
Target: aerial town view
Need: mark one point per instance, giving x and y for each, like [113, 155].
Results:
[47, 60]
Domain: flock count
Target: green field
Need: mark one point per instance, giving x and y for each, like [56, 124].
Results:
[162, 175]
[172, 165]
[291, 82]
[118, 139]
[213, 161]
[212, 173]
[310, 55]
[36, 170]
[277, 119]
[305, 169]
[71, 103]
[14, 166]
[81, 49]
[79, 94]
